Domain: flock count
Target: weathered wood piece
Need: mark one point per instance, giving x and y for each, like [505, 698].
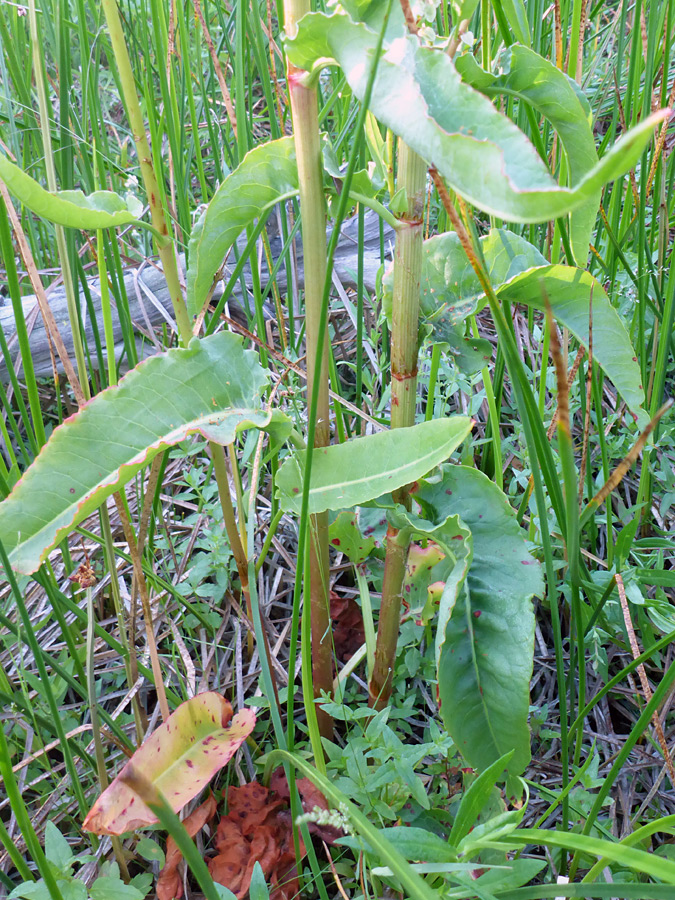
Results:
[150, 306]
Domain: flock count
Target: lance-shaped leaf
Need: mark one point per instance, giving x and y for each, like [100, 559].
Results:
[212, 387]
[360, 470]
[450, 291]
[72, 209]
[178, 759]
[516, 15]
[265, 176]
[485, 661]
[569, 291]
[528, 76]
[420, 96]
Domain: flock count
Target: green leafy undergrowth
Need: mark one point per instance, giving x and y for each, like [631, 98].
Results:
[63, 862]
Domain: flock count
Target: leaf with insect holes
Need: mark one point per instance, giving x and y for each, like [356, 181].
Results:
[178, 759]
[528, 76]
[72, 209]
[485, 647]
[212, 388]
[362, 469]
[418, 93]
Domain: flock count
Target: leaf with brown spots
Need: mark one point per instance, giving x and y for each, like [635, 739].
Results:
[179, 759]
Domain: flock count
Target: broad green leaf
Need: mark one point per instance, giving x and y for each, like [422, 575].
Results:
[212, 388]
[426, 565]
[178, 759]
[420, 96]
[258, 889]
[519, 273]
[530, 77]
[519, 872]
[223, 892]
[468, 353]
[150, 850]
[107, 888]
[418, 844]
[485, 660]
[569, 291]
[57, 848]
[265, 176]
[372, 13]
[361, 181]
[72, 209]
[360, 470]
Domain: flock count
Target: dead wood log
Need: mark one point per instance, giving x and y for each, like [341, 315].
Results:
[150, 306]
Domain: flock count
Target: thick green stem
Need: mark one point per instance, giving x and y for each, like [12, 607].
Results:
[304, 107]
[381, 683]
[404, 352]
[167, 253]
[406, 296]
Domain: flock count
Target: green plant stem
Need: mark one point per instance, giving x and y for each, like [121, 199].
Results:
[165, 247]
[404, 353]
[304, 108]
[96, 725]
[381, 682]
[313, 406]
[61, 243]
[170, 821]
[11, 789]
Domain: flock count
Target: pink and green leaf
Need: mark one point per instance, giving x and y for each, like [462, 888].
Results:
[178, 759]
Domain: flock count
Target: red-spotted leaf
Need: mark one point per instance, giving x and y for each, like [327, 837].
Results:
[485, 643]
[212, 387]
[178, 759]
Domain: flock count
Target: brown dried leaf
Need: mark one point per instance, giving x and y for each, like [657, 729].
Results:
[169, 883]
[347, 619]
